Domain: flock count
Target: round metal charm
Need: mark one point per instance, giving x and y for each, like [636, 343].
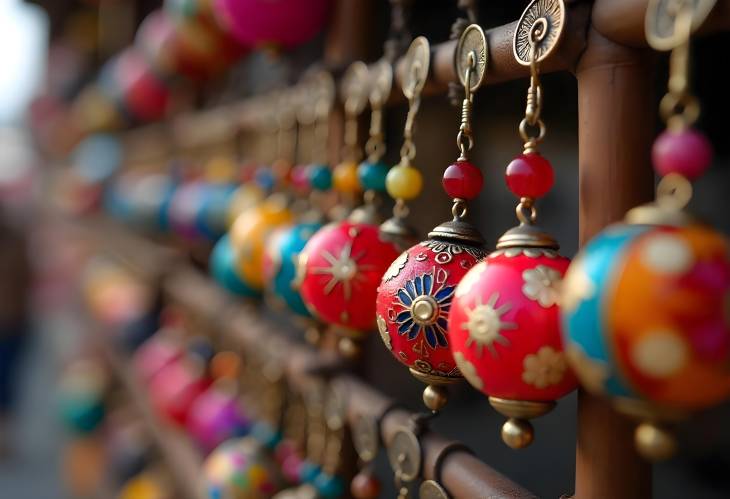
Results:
[381, 82]
[430, 489]
[355, 87]
[404, 454]
[541, 26]
[415, 67]
[662, 19]
[473, 43]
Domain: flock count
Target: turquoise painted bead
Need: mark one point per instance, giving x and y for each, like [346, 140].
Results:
[329, 486]
[372, 175]
[320, 177]
[223, 268]
[585, 333]
[280, 264]
[308, 472]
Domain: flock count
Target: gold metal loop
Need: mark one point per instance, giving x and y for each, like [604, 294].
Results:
[531, 141]
[526, 211]
[679, 111]
[664, 30]
[400, 209]
[459, 208]
[674, 191]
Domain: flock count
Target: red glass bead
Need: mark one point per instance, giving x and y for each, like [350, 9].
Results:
[687, 152]
[529, 176]
[462, 180]
[365, 485]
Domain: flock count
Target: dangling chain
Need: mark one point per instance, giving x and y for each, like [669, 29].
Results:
[533, 108]
[408, 149]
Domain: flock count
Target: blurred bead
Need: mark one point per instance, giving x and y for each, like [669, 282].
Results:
[372, 175]
[265, 178]
[300, 177]
[435, 397]
[320, 176]
[686, 152]
[462, 180]
[365, 485]
[529, 175]
[329, 486]
[345, 178]
[404, 182]
[308, 471]
[654, 443]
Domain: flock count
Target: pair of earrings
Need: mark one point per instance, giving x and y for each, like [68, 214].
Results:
[447, 310]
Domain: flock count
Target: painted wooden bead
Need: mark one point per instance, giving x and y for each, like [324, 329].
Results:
[320, 177]
[345, 178]
[280, 264]
[504, 326]
[224, 269]
[414, 301]
[241, 469]
[339, 271]
[645, 315]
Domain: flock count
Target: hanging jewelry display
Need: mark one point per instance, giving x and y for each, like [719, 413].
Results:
[504, 320]
[414, 297]
[645, 302]
[341, 264]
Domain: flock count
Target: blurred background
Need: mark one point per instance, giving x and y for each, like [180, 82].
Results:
[119, 72]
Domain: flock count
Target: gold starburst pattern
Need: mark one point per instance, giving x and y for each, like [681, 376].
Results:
[485, 324]
[343, 269]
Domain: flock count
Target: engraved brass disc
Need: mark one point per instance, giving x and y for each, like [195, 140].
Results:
[404, 454]
[661, 17]
[355, 87]
[543, 21]
[366, 437]
[381, 82]
[415, 67]
[472, 43]
[431, 489]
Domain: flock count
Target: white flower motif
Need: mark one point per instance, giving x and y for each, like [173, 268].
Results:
[576, 287]
[470, 278]
[396, 266]
[544, 368]
[542, 284]
[468, 371]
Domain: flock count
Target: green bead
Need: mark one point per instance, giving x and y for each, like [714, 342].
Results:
[372, 175]
[320, 177]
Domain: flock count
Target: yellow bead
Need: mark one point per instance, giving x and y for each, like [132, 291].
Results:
[345, 178]
[404, 182]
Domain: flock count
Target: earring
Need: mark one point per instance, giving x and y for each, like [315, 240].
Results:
[415, 294]
[504, 319]
[645, 303]
[341, 265]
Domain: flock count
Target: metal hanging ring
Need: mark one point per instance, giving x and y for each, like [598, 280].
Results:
[684, 106]
[525, 134]
[526, 212]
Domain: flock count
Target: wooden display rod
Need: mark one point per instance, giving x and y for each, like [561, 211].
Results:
[460, 472]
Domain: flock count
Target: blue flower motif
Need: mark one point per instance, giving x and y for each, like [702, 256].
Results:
[425, 307]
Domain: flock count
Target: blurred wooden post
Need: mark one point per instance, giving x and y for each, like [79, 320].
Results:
[616, 125]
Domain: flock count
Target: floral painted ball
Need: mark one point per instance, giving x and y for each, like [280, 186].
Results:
[413, 305]
[280, 264]
[645, 315]
[241, 469]
[505, 327]
[339, 271]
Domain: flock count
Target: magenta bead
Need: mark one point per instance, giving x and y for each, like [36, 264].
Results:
[462, 180]
[300, 177]
[687, 152]
[280, 22]
[529, 176]
[291, 467]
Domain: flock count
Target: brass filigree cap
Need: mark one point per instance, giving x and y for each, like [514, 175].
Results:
[527, 236]
[457, 231]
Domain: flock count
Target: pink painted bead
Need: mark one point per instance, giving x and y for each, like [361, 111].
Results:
[529, 176]
[300, 177]
[462, 180]
[687, 152]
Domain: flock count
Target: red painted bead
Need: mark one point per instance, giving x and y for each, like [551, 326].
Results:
[462, 180]
[365, 485]
[529, 175]
[687, 152]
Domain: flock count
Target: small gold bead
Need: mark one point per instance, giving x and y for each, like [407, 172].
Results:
[435, 397]
[349, 348]
[654, 443]
[517, 433]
